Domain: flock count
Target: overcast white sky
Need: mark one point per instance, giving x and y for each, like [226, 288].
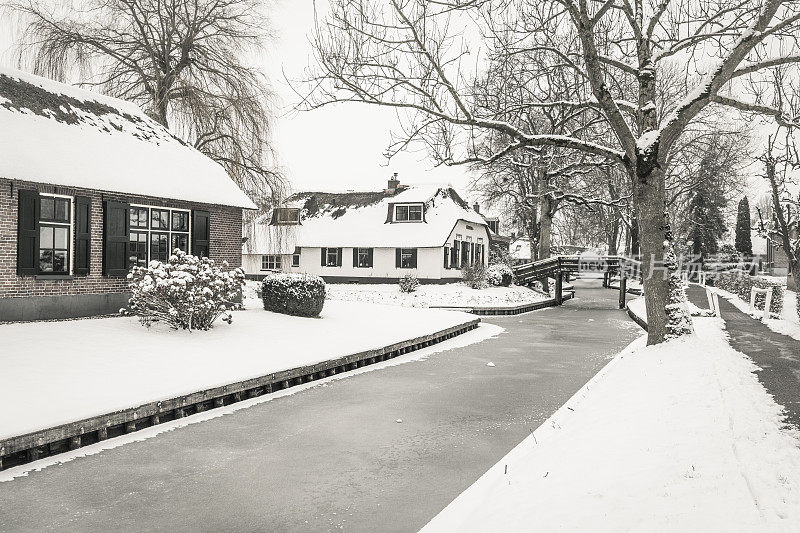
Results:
[337, 148]
[340, 147]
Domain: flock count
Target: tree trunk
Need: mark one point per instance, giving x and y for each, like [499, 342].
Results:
[545, 216]
[545, 228]
[649, 199]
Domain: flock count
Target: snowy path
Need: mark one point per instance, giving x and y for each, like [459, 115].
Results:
[777, 355]
[334, 456]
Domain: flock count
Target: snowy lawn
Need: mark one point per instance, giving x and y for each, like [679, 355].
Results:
[677, 437]
[59, 372]
[451, 294]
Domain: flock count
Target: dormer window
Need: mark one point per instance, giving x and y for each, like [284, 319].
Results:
[408, 213]
[287, 215]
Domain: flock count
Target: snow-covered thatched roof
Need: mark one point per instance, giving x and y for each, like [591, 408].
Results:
[360, 219]
[58, 134]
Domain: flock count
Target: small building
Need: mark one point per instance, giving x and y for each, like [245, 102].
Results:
[774, 260]
[371, 237]
[89, 187]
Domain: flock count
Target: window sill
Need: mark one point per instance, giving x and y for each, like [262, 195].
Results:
[54, 277]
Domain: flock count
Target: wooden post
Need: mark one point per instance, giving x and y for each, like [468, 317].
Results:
[130, 427]
[623, 290]
[559, 284]
[102, 434]
[75, 442]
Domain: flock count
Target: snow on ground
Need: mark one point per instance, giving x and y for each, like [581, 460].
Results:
[676, 437]
[59, 372]
[483, 332]
[450, 294]
[788, 324]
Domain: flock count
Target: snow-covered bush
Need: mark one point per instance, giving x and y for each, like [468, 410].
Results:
[186, 292]
[499, 275]
[740, 283]
[474, 275]
[408, 283]
[293, 294]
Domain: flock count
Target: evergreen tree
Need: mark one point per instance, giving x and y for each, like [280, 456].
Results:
[706, 220]
[743, 243]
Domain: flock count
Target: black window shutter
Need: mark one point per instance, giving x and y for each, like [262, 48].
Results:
[115, 241]
[355, 257]
[83, 235]
[369, 257]
[323, 260]
[397, 257]
[201, 233]
[338, 257]
[28, 233]
[413, 258]
[446, 257]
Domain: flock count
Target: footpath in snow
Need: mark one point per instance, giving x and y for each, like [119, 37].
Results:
[676, 437]
[60, 372]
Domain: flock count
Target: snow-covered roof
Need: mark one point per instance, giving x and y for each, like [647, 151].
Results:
[58, 134]
[520, 248]
[361, 219]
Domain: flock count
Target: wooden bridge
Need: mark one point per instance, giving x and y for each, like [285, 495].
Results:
[561, 266]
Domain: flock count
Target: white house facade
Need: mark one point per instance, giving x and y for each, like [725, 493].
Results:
[369, 237]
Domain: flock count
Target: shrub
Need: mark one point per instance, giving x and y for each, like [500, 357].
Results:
[474, 275]
[293, 294]
[499, 274]
[740, 282]
[186, 292]
[408, 283]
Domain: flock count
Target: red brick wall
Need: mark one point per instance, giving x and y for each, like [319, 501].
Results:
[226, 239]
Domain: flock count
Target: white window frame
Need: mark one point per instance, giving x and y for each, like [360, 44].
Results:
[168, 231]
[409, 206]
[275, 259]
[328, 263]
[70, 244]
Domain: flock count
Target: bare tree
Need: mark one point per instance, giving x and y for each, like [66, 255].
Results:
[413, 55]
[779, 159]
[181, 60]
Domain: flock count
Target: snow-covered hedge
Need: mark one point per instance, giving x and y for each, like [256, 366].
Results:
[186, 292]
[740, 282]
[293, 294]
[474, 275]
[499, 275]
[408, 283]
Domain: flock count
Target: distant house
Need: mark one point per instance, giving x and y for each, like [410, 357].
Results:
[774, 260]
[92, 186]
[428, 231]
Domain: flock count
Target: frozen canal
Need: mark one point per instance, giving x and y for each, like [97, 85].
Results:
[334, 457]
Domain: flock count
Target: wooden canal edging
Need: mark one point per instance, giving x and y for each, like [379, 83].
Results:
[512, 309]
[26, 448]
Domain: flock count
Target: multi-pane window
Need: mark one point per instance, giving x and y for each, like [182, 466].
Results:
[55, 220]
[155, 233]
[270, 262]
[296, 257]
[454, 253]
[363, 258]
[408, 258]
[408, 213]
[332, 257]
[287, 215]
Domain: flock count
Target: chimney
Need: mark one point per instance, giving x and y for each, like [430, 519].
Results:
[476, 207]
[392, 185]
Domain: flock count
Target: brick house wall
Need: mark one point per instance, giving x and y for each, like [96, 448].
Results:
[225, 241]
